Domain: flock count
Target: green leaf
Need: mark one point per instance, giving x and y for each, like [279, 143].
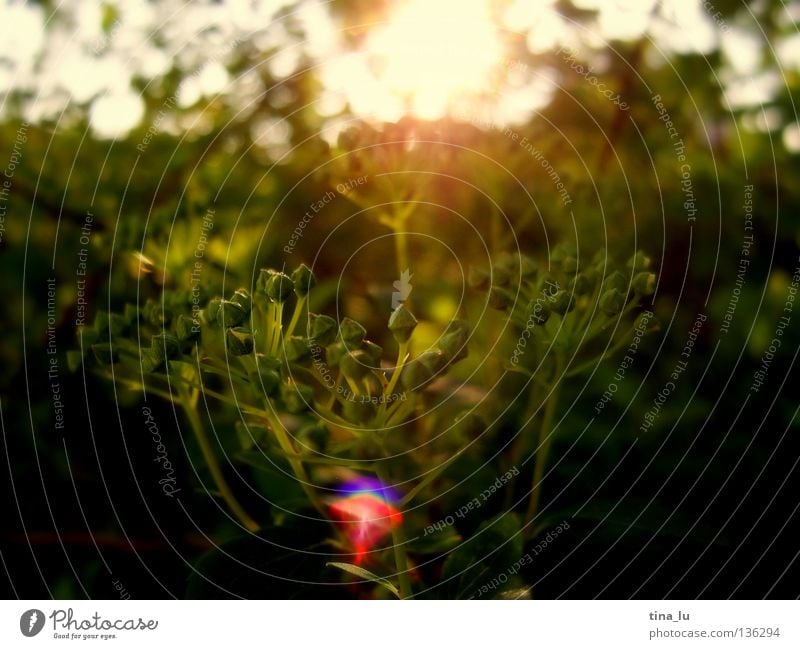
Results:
[436, 543]
[74, 360]
[366, 575]
[490, 553]
[274, 480]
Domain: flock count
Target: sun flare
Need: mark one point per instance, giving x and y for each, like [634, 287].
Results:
[432, 53]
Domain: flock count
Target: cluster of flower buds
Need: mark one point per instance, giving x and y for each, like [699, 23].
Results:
[300, 361]
[567, 302]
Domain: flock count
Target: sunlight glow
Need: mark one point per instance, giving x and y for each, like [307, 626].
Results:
[431, 53]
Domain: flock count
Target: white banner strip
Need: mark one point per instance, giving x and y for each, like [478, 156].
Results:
[401, 625]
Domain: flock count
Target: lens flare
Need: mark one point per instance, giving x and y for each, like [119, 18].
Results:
[366, 515]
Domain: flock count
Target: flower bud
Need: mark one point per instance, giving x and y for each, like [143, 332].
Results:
[644, 283]
[105, 353]
[539, 310]
[527, 267]
[322, 329]
[157, 314]
[502, 276]
[569, 265]
[402, 324]
[117, 324]
[212, 311]
[101, 322]
[151, 361]
[562, 252]
[579, 285]
[243, 298]
[351, 332]
[453, 342]
[618, 281]
[147, 312]
[303, 280]
[296, 349]
[372, 353]
[478, 278]
[267, 374]
[334, 353]
[230, 314]
[239, 341]
[500, 299]
[639, 262]
[562, 302]
[279, 287]
[270, 381]
[131, 313]
[74, 360]
[354, 365]
[186, 329]
[264, 276]
[612, 302]
[165, 346]
[423, 369]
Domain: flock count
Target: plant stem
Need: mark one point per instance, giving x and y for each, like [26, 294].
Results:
[401, 248]
[292, 456]
[276, 330]
[401, 411]
[596, 361]
[335, 390]
[398, 224]
[519, 442]
[298, 310]
[399, 547]
[269, 318]
[545, 440]
[401, 562]
[430, 477]
[402, 356]
[216, 472]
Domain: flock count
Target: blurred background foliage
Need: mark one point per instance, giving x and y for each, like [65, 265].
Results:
[147, 114]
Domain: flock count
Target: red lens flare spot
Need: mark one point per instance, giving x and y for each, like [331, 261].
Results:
[365, 519]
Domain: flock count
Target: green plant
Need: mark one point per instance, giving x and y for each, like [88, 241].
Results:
[568, 317]
[321, 393]
[313, 394]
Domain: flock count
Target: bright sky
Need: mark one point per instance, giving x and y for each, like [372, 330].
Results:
[430, 58]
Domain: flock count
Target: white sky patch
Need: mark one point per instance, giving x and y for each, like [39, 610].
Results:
[429, 58]
[114, 115]
[788, 51]
[272, 135]
[683, 26]
[625, 19]
[791, 137]
[522, 15]
[547, 33]
[742, 51]
[751, 91]
[286, 61]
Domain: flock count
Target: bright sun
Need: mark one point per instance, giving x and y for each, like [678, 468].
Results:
[431, 53]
